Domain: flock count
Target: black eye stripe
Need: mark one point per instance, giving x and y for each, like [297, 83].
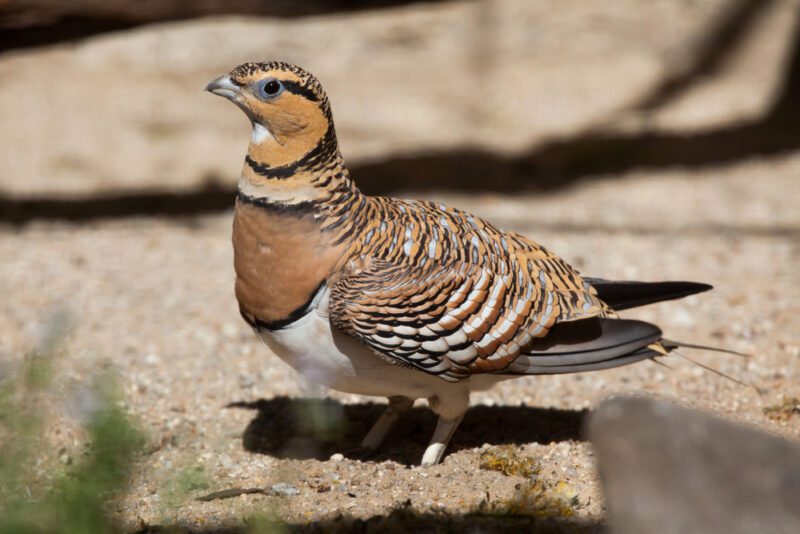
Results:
[300, 90]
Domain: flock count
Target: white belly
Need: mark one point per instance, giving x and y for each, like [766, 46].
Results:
[328, 357]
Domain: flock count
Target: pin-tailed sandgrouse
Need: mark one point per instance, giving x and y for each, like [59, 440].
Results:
[399, 298]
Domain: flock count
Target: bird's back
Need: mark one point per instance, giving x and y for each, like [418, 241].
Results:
[443, 289]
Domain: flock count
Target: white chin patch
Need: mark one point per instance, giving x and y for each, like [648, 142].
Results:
[260, 134]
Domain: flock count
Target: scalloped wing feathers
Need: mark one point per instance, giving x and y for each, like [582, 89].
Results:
[440, 290]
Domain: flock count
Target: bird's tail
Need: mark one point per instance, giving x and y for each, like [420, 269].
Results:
[671, 344]
[667, 346]
[621, 295]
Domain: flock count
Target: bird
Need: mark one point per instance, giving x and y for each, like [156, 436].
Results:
[403, 299]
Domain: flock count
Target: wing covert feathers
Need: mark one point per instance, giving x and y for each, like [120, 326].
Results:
[439, 290]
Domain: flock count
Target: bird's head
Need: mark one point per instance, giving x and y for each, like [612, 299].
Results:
[286, 104]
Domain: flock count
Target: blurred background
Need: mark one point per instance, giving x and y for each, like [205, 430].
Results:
[648, 139]
[106, 97]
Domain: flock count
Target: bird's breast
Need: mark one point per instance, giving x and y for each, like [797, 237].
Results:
[281, 260]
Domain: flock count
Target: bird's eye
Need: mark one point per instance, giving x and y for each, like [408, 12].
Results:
[271, 88]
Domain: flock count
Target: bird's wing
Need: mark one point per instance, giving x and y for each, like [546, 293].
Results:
[455, 320]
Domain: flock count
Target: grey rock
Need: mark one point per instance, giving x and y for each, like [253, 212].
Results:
[668, 469]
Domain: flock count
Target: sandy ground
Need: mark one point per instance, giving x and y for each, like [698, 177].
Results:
[152, 299]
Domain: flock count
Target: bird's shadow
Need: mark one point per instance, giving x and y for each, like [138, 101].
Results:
[313, 428]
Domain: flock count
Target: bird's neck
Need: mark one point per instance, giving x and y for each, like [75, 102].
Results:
[306, 171]
[294, 221]
[313, 186]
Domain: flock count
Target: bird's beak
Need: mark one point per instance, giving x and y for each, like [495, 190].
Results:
[223, 86]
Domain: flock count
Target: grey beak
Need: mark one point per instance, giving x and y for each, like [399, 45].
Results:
[223, 86]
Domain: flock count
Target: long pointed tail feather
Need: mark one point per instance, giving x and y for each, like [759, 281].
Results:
[718, 372]
[669, 346]
[621, 295]
[672, 344]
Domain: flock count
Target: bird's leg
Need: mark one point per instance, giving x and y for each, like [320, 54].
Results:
[397, 407]
[451, 410]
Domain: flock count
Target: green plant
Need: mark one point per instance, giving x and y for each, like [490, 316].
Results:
[186, 482]
[73, 499]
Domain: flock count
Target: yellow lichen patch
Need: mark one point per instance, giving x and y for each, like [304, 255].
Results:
[509, 460]
[783, 411]
[535, 498]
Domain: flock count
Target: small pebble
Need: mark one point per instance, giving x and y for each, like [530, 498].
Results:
[283, 489]
[338, 457]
